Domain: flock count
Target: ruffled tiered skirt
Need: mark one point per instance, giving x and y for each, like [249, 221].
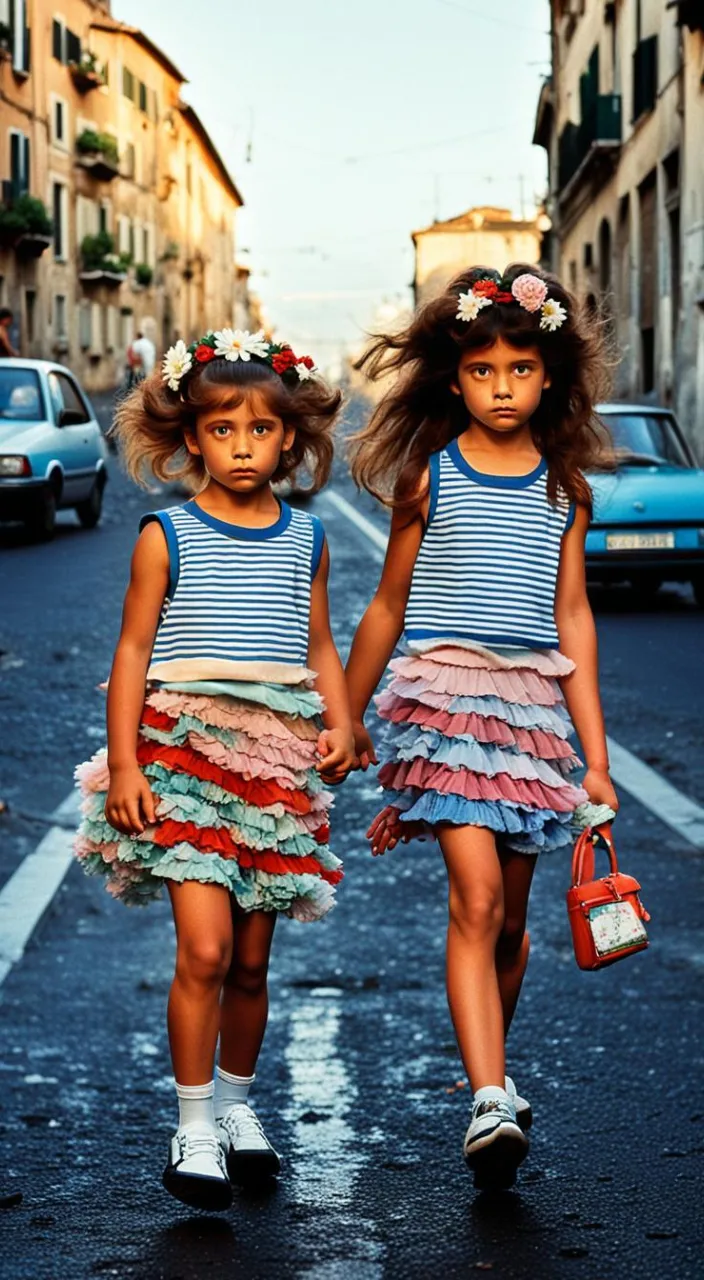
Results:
[239, 802]
[480, 737]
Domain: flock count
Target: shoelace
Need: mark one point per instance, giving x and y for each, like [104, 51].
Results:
[498, 1106]
[193, 1144]
[242, 1122]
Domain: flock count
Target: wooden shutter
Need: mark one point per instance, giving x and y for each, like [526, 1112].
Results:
[57, 40]
[73, 47]
[648, 253]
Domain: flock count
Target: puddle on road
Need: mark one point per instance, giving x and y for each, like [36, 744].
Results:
[329, 1154]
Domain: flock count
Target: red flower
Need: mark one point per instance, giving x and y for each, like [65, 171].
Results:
[504, 297]
[283, 360]
[308, 361]
[204, 353]
[485, 288]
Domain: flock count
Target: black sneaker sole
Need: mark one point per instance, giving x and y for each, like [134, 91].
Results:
[249, 1168]
[196, 1191]
[494, 1166]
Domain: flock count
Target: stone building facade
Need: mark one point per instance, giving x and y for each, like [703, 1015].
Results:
[93, 123]
[622, 120]
[485, 237]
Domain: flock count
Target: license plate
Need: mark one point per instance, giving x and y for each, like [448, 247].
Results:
[639, 541]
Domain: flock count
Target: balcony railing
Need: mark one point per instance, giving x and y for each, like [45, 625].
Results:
[599, 132]
[645, 76]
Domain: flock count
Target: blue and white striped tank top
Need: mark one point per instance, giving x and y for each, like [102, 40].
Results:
[238, 602]
[487, 566]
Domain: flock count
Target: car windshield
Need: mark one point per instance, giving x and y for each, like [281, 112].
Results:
[646, 439]
[20, 395]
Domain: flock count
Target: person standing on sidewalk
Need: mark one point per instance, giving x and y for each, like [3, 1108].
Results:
[213, 783]
[6, 347]
[479, 450]
[144, 354]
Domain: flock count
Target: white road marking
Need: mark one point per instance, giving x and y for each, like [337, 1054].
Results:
[29, 891]
[669, 805]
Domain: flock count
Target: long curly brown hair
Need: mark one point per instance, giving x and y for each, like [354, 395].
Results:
[420, 414]
[151, 422]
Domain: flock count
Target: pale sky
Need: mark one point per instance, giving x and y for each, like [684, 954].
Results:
[364, 121]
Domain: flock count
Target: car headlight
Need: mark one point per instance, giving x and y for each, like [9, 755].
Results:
[12, 464]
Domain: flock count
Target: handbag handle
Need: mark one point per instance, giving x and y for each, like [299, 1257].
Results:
[583, 856]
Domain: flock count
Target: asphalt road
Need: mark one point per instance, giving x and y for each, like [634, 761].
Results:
[360, 1084]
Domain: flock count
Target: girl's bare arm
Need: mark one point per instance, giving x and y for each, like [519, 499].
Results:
[336, 743]
[577, 632]
[130, 804]
[382, 624]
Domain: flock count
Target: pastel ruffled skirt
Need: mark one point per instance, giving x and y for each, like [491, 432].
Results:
[239, 802]
[480, 737]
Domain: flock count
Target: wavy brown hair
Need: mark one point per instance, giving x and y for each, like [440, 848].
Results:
[421, 414]
[151, 422]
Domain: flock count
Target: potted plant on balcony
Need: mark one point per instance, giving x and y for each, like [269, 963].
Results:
[100, 263]
[87, 73]
[97, 152]
[143, 274]
[26, 226]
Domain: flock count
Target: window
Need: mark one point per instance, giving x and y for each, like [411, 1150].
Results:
[19, 163]
[128, 84]
[129, 162]
[111, 327]
[126, 328]
[84, 326]
[13, 13]
[20, 395]
[65, 44]
[60, 316]
[59, 122]
[123, 233]
[65, 395]
[30, 313]
[59, 209]
[142, 96]
[87, 219]
[105, 216]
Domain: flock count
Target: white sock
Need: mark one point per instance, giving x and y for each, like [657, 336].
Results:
[490, 1093]
[230, 1090]
[195, 1104]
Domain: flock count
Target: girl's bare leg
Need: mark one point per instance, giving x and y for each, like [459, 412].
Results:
[245, 1001]
[203, 954]
[514, 943]
[476, 910]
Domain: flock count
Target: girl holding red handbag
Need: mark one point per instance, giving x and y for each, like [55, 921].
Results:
[480, 450]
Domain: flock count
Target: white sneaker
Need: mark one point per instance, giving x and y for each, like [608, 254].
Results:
[494, 1146]
[249, 1154]
[196, 1172]
[524, 1111]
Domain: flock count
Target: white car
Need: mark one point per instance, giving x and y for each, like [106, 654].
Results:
[52, 451]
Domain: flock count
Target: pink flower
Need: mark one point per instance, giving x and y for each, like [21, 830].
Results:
[530, 291]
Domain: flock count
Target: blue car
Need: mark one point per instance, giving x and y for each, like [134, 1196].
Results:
[648, 518]
[52, 451]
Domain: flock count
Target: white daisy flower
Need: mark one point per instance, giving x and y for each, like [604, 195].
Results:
[553, 315]
[470, 304]
[304, 373]
[257, 344]
[240, 344]
[177, 361]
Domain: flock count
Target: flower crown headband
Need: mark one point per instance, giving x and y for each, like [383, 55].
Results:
[529, 291]
[235, 344]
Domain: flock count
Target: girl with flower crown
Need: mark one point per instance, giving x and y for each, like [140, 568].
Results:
[479, 448]
[227, 716]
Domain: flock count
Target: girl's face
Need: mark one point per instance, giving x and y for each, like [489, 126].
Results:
[501, 385]
[241, 447]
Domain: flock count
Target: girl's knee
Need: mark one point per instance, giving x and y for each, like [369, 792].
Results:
[513, 938]
[476, 914]
[248, 975]
[204, 960]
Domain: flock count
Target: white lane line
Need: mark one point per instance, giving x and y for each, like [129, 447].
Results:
[376, 536]
[652, 790]
[27, 894]
[671, 806]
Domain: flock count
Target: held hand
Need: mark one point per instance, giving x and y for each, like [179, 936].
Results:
[363, 746]
[130, 805]
[386, 831]
[600, 788]
[337, 755]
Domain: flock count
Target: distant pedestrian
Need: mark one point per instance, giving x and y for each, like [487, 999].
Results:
[144, 355]
[220, 734]
[6, 347]
[479, 450]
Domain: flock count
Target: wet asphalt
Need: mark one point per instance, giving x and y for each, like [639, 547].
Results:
[359, 1083]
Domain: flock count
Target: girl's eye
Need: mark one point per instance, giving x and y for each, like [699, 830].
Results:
[481, 370]
[522, 368]
[261, 429]
[221, 432]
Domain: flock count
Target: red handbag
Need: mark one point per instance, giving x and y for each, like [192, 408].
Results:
[606, 916]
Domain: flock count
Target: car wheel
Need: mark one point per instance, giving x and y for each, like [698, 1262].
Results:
[698, 589]
[90, 510]
[41, 523]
